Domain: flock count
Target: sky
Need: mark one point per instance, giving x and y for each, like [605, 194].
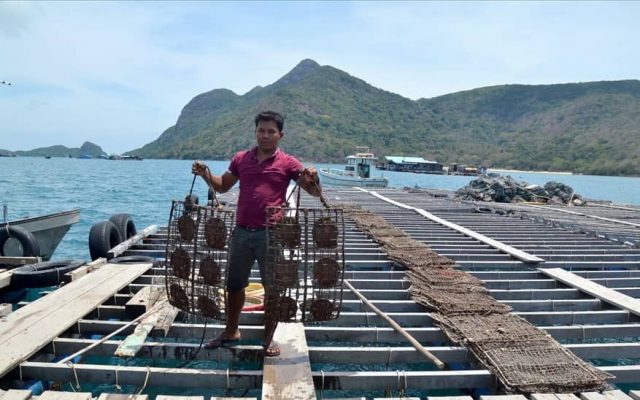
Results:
[118, 73]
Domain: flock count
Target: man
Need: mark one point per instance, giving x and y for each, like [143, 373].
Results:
[264, 172]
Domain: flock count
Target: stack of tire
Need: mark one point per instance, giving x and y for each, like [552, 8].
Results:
[105, 235]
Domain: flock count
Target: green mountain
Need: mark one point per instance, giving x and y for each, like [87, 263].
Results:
[583, 127]
[87, 148]
[6, 153]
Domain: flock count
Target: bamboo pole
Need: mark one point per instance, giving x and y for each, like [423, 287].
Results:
[397, 327]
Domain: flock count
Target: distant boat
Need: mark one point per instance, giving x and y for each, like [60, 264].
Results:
[47, 231]
[85, 157]
[47, 157]
[357, 172]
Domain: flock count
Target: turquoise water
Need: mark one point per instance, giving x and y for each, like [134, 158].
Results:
[33, 186]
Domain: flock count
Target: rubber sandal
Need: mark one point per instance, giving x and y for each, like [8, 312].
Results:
[220, 341]
[271, 351]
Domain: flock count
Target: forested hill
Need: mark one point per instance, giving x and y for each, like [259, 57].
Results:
[582, 127]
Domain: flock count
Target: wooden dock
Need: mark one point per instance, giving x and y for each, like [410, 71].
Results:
[522, 255]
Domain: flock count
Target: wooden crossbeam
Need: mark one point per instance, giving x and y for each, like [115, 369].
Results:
[122, 396]
[124, 246]
[5, 278]
[143, 300]
[19, 260]
[51, 395]
[15, 394]
[83, 270]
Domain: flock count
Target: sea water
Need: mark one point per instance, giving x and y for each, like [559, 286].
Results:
[32, 186]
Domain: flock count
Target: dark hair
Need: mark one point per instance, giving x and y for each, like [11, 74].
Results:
[270, 116]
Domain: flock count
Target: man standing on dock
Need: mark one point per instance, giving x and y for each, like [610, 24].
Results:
[264, 172]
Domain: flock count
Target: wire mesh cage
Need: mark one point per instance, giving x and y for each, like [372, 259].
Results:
[305, 262]
[196, 258]
[540, 366]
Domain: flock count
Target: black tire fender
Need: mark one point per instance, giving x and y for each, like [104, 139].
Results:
[125, 225]
[103, 237]
[30, 247]
[42, 274]
[134, 260]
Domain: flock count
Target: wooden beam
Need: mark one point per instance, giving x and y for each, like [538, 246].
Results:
[166, 316]
[51, 395]
[124, 246]
[519, 254]
[606, 395]
[17, 261]
[288, 376]
[5, 278]
[143, 300]
[15, 394]
[5, 309]
[122, 396]
[28, 329]
[134, 342]
[83, 270]
[605, 294]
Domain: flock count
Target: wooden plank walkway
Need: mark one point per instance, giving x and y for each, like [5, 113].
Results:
[288, 376]
[596, 290]
[519, 254]
[25, 331]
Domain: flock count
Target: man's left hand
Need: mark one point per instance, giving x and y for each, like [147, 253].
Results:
[310, 176]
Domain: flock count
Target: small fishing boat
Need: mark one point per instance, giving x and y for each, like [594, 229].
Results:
[35, 236]
[357, 171]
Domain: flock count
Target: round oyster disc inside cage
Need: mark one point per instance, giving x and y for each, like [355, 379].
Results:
[326, 272]
[325, 233]
[208, 307]
[215, 233]
[186, 228]
[210, 271]
[180, 263]
[321, 309]
[178, 298]
[288, 232]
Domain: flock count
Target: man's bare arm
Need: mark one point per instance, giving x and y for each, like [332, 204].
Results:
[221, 183]
[310, 182]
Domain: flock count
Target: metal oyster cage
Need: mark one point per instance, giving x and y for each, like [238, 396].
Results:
[305, 263]
[197, 255]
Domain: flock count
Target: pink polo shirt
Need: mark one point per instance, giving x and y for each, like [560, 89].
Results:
[262, 184]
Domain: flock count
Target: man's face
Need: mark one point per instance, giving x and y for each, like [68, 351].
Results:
[268, 135]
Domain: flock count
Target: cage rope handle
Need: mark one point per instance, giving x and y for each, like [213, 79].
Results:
[213, 191]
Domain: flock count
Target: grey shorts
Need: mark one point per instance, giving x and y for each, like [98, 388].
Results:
[247, 246]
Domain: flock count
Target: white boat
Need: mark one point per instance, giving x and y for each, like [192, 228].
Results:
[357, 172]
[43, 234]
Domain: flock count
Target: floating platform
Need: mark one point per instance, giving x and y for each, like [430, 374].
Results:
[571, 271]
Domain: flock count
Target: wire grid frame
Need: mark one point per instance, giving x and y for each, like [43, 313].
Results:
[305, 262]
[540, 366]
[197, 257]
[503, 328]
[449, 302]
[443, 277]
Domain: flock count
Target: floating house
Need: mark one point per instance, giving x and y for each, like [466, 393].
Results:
[411, 164]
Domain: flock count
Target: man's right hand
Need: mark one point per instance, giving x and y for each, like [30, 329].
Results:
[199, 168]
